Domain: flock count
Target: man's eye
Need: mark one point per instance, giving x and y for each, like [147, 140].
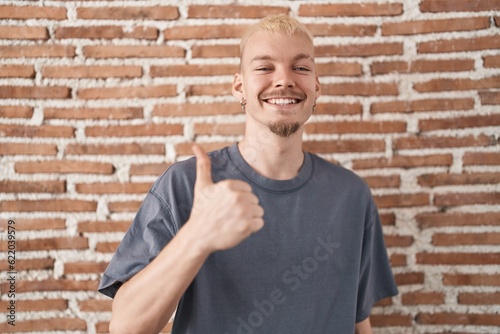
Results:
[300, 68]
[263, 69]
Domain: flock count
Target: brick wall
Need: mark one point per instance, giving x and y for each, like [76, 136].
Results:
[97, 98]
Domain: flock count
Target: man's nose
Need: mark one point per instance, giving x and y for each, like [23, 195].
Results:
[284, 78]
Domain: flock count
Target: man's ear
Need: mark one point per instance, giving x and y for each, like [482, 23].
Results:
[318, 87]
[237, 87]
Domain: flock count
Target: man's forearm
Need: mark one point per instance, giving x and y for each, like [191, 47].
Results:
[145, 303]
[364, 327]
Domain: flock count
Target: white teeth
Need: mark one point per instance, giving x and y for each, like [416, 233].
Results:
[282, 101]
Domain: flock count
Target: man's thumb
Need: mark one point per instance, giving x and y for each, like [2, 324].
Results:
[203, 167]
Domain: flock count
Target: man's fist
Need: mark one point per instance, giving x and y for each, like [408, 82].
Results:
[223, 213]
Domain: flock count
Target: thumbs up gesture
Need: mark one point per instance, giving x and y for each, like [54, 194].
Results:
[224, 213]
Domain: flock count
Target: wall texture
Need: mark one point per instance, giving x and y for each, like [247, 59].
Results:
[98, 98]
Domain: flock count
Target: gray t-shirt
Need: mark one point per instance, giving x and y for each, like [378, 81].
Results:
[317, 266]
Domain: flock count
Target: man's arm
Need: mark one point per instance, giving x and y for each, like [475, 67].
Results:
[363, 327]
[223, 215]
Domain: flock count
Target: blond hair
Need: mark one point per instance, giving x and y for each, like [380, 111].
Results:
[283, 24]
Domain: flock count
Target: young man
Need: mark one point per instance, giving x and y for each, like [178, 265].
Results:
[259, 237]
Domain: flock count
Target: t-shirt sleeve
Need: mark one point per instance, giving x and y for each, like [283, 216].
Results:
[376, 280]
[152, 228]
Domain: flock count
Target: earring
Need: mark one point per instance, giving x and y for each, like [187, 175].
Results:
[314, 107]
[243, 103]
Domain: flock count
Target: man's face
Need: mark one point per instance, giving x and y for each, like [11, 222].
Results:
[278, 80]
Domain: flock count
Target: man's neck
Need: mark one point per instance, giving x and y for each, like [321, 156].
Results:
[272, 156]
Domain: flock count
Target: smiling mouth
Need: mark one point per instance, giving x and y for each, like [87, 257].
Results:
[282, 101]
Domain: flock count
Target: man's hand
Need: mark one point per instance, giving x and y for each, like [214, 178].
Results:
[223, 213]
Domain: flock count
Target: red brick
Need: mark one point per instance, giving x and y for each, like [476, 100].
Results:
[388, 181]
[459, 123]
[422, 105]
[458, 258]
[338, 109]
[455, 199]
[193, 70]
[344, 146]
[127, 92]
[46, 186]
[107, 246]
[113, 188]
[92, 72]
[61, 205]
[46, 324]
[398, 260]
[155, 169]
[225, 129]
[440, 85]
[401, 161]
[215, 51]
[210, 89]
[442, 219]
[115, 149]
[128, 13]
[106, 32]
[481, 158]
[16, 112]
[343, 127]
[37, 51]
[27, 149]
[402, 200]
[84, 267]
[95, 305]
[24, 224]
[53, 285]
[422, 66]
[196, 109]
[452, 239]
[351, 9]
[458, 6]
[491, 61]
[93, 113]
[133, 51]
[385, 320]
[388, 218]
[64, 167]
[103, 226]
[339, 69]
[51, 244]
[135, 130]
[359, 50]
[356, 30]
[435, 26]
[360, 89]
[489, 98]
[205, 31]
[130, 206]
[34, 92]
[38, 305]
[471, 279]
[476, 298]
[398, 240]
[423, 298]
[233, 11]
[481, 319]
[460, 44]
[17, 71]
[27, 131]
[445, 179]
[409, 278]
[32, 12]
[24, 32]
[419, 142]
[30, 264]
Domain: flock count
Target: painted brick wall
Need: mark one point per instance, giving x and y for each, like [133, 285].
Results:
[97, 98]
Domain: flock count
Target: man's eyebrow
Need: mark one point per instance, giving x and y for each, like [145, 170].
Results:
[299, 56]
